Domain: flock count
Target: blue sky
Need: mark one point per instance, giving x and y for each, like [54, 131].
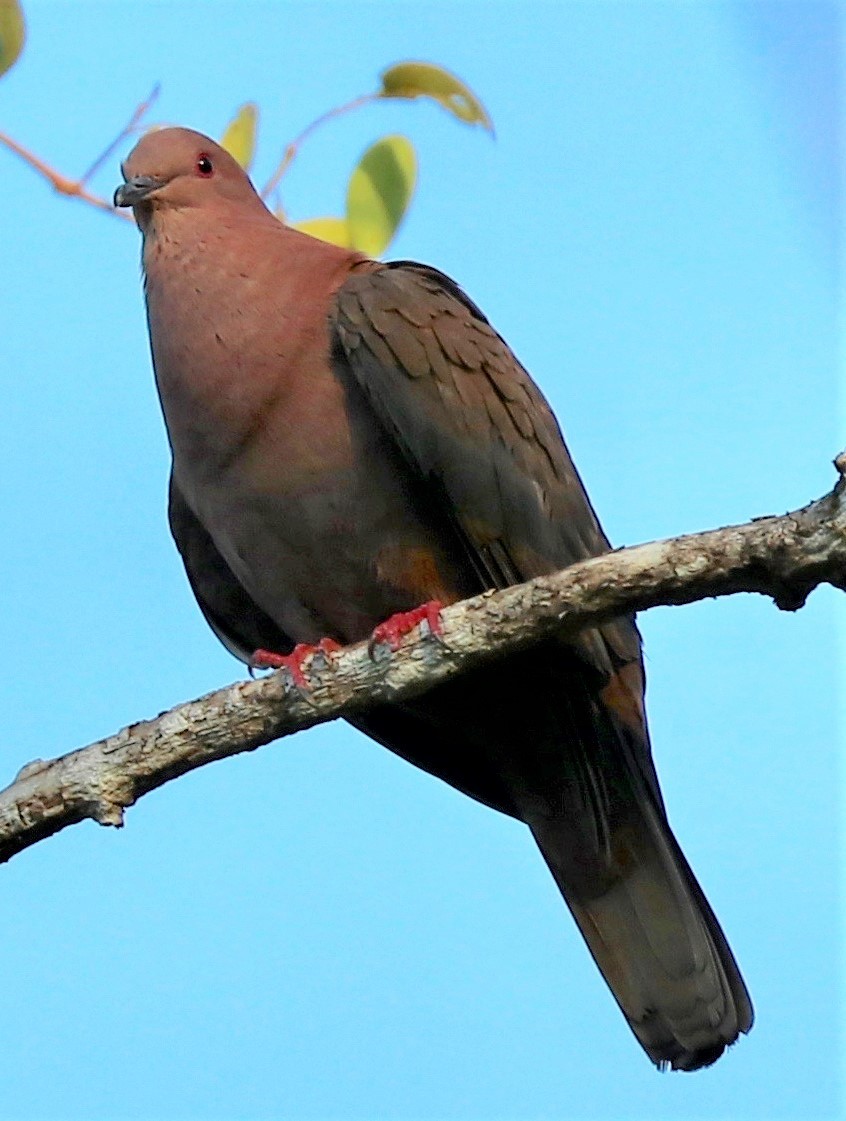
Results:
[317, 930]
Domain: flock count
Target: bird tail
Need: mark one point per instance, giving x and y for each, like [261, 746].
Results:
[642, 913]
[579, 772]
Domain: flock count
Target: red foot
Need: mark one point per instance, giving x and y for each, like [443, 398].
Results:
[295, 661]
[393, 630]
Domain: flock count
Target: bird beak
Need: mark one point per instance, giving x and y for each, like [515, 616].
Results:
[136, 189]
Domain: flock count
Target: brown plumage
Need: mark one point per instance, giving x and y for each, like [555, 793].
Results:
[351, 438]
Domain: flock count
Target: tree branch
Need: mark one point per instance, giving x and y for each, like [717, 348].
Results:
[77, 188]
[291, 150]
[781, 557]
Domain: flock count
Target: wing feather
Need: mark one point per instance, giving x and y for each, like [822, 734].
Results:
[469, 419]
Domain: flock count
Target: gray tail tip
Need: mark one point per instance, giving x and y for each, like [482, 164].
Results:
[695, 1060]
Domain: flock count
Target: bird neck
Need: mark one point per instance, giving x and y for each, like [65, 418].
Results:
[228, 307]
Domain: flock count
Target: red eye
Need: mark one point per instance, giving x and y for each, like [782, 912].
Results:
[204, 166]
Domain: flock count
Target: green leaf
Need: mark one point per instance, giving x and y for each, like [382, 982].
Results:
[239, 138]
[334, 230]
[424, 79]
[378, 193]
[12, 33]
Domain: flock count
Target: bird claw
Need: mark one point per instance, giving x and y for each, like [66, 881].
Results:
[294, 662]
[393, 630]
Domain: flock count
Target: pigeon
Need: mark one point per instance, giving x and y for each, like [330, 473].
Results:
[354, 446]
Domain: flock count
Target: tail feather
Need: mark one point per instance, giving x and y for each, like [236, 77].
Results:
[574, 762]
[654, 937]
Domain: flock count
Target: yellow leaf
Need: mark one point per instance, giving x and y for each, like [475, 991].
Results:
[334, 230]
[424, 79]
[12, 33]
[379, 191]
[239, 138]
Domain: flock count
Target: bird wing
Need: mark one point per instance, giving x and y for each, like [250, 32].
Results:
[468, 418]
[475, 428]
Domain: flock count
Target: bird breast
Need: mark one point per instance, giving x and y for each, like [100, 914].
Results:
[287, 469]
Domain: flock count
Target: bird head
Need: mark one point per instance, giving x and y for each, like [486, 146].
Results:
[176, 168]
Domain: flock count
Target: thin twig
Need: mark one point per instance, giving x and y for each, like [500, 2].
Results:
[130, 126]
[76, 188]
[72, 188]
[291, 150]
